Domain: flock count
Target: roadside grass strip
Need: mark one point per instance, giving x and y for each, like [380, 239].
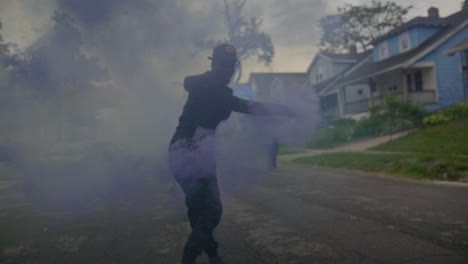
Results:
[415, 166]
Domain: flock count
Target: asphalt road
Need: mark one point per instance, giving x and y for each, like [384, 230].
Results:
[295, 214]
[304, 215]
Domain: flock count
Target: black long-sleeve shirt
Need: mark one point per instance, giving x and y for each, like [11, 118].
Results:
[210, 102]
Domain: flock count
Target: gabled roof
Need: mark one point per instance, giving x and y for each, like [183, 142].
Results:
[320, 86]
[340, 56]
[427, 22]
[370, 68]
[335, 58]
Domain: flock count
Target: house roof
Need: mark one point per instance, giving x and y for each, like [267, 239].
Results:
[370, 68]
[324, 84]
[427, 22]
[321, 86]
[336, 58]
[460, 46]
[340, 56]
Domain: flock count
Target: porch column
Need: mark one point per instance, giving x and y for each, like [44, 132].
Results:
[342, 102]
[371, 93]
[405, 84]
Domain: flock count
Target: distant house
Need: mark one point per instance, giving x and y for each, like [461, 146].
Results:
[410, 62]
[271, 87]
[324, 71]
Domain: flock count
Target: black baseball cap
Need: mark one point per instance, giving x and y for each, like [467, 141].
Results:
[224, 53]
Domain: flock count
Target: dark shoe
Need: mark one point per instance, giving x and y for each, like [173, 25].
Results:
[216, 260]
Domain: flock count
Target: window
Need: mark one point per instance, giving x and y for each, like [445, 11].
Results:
[383, 50]
[360, 91]
[405, 42]
[409, 82]
[418, 81]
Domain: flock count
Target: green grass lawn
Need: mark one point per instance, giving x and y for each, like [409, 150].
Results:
[417, 166]
[450, 138]
[282, 150]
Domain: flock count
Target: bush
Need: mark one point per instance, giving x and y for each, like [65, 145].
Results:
[339, 132]
[399, 114]
[456, 111]
[343, 122]
[452, 113]
[436, 119]
[367, 127]
[391, 116]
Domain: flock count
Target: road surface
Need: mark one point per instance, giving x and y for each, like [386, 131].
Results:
[296, 214]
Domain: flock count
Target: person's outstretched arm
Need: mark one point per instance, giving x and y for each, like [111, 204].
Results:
[257, 108]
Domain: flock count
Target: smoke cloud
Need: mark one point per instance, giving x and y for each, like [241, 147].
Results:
[96, 98]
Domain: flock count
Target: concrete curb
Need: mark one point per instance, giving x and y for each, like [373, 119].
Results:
[384, 175]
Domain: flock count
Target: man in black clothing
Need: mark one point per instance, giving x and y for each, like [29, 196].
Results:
[192, 147]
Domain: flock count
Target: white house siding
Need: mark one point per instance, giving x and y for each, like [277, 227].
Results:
[353, 92]
[387, 83]
[326, 68]
[357, 98]
[337, 68]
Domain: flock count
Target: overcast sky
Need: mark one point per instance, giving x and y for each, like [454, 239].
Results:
[292, 24]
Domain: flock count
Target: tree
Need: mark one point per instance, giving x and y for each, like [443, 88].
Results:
[245, 34]
[6, 56]
[465, 4]
[360, 25]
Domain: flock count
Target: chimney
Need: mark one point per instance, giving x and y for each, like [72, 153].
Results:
[433, 12]
[352, 49]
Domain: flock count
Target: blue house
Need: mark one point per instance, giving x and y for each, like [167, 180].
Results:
[424, 61]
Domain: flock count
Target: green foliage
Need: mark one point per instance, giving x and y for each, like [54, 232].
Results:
[449, 114]
[283, 150]
[339, 132]
[367, 127]
[391, 116]
[360, 24]
[343, 122]
[435, 119]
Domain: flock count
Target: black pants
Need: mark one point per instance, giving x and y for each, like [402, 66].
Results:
[194, 168]
[204, 206]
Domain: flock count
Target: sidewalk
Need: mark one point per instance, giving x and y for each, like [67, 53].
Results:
[360, 146]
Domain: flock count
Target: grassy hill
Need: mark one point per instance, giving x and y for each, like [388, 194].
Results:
[439, 153]
[450, 138]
